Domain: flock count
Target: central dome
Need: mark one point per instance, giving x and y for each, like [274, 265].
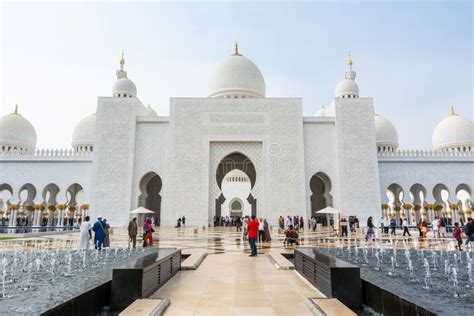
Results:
[236, 77]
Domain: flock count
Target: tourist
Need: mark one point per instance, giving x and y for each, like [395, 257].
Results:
[469, 231]
[261, 230]
[178, 223]
[99, 233]
[435, 226]
[423, 229]
[405, 227]
[314, 222]
[393, 226]
[266, 231]
[252, 227]
[457, 235]
[86, 234]
[301, 223]
[244, 233]
[291, 237]
[107, 234]
[382, 225]
[281, 222]
[147, 233]
[370, 230]
[343, 225]
[238, 224]
[442, 227]
[356, 223]
[183, 221]
[133, 232]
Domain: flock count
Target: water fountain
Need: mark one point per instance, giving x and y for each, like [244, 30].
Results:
[37, 279]
[392, 269]
[428, 282]
[454, 276]
[439, 264]
[377, 256]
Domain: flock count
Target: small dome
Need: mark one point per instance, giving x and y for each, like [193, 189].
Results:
[385, 133]
[236, 77]
[83, 136]
[124, 88]
[16, 133]
[150, 111]
[346, 88]
[454, 132]
[321, 111]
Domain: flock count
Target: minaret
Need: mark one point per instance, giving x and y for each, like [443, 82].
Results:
[350, 74]
[121, 73]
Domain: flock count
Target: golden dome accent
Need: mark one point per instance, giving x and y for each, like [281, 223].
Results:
[349, 61]
[236, 50]
[452, 111]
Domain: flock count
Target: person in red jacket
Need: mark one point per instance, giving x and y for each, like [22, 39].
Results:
[457, 234]
[252, 228]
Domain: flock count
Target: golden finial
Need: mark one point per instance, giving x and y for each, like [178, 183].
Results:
[16, 109]
[453, 113]
[349, 61]
[236, 50]
[122, 60]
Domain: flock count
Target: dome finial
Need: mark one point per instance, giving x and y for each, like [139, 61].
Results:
[236, 50]
[349, 61]
[453, 112]
[16, 110]
[122, 61]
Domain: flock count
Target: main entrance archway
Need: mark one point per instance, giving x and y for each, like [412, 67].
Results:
[320, 186]
[150, 198]
[235, 161]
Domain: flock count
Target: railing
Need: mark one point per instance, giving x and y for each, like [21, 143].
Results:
[52, 154]
[35, 229]
[425, 153]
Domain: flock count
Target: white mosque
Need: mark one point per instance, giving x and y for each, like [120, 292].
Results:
[235, 152]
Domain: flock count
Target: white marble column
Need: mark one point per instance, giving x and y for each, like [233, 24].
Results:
[13, 217]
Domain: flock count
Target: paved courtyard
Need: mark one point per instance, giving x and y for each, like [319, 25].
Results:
[228, 282]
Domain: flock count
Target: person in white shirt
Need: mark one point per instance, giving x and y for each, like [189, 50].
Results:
[435, 225]
[261, 230]
[86, 234]
[405, 227]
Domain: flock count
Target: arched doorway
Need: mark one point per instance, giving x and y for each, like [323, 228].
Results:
[150, 198]
[320, 186]
[231, 162]
[236, 207]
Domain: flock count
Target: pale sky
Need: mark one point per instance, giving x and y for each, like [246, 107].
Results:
[413, 58]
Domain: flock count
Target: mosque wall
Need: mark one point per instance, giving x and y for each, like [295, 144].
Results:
[151, 153]
[357, 158]
[320, 155]
[114, 155]
[41, 173]
[196, 123]
[428, 172]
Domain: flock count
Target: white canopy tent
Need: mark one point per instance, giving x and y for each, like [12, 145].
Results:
[141, 210]
[141, 213]
[328, 210]
[331, 211]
